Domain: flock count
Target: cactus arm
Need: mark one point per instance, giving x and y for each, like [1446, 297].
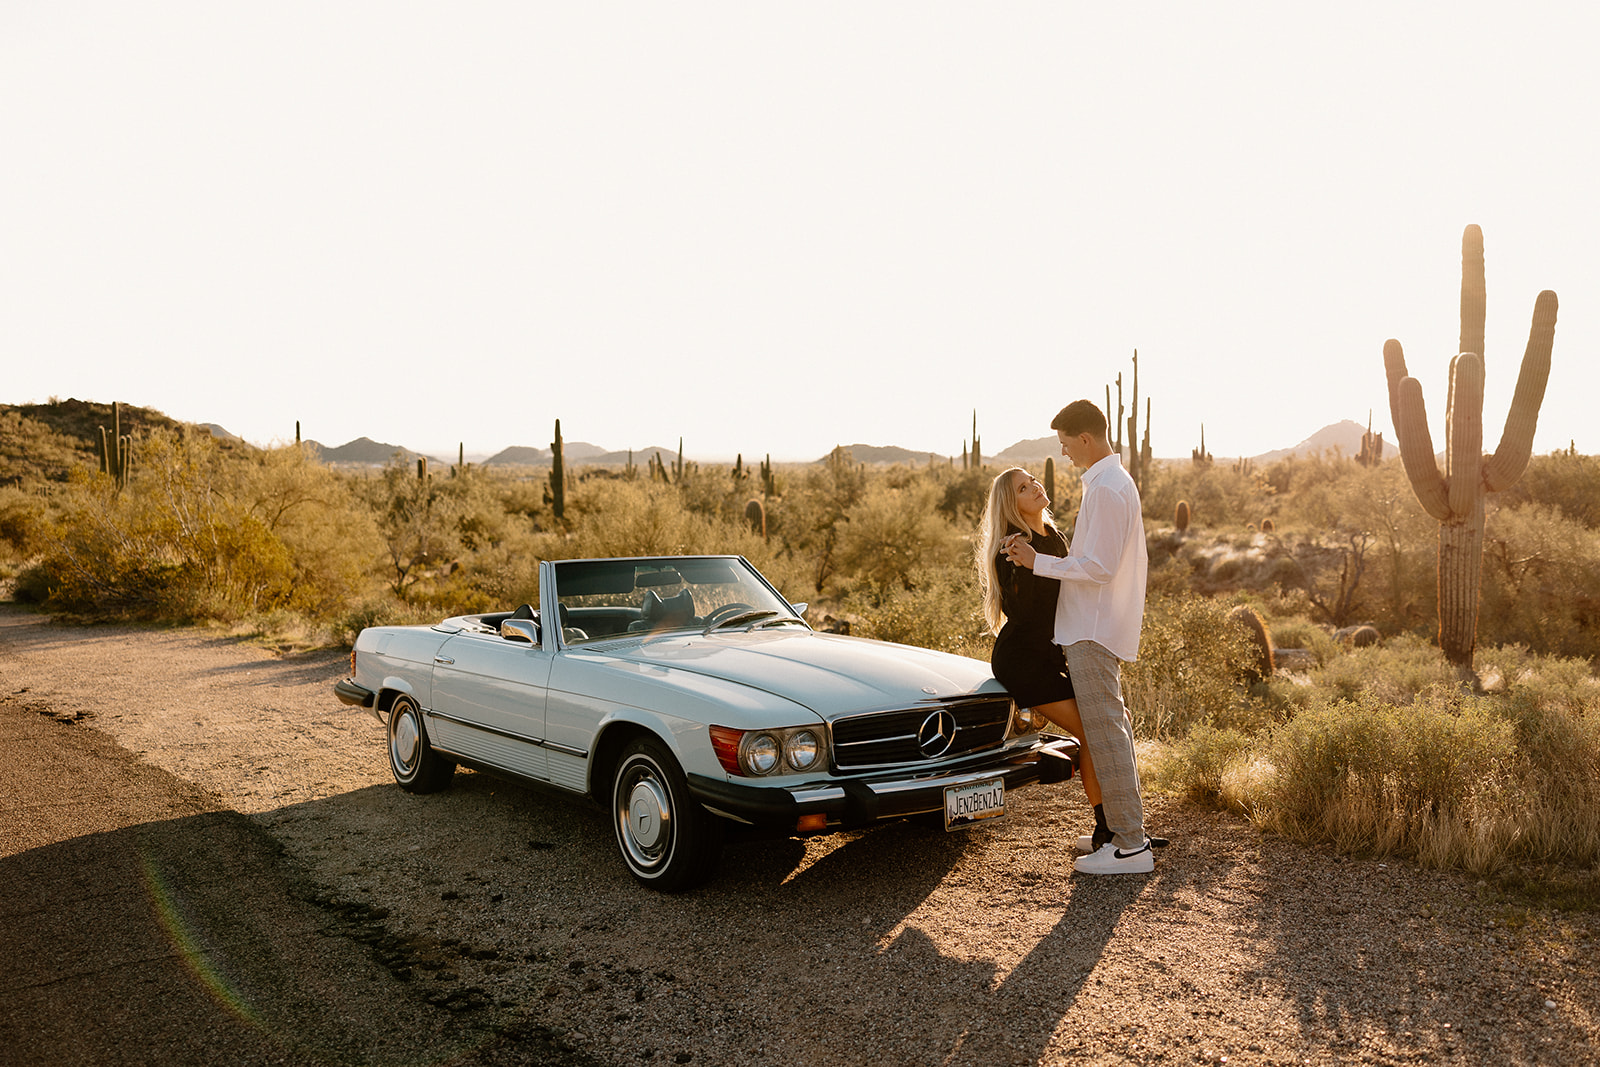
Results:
[1416, 450]
[1394, 370]
[1463, 455]
[1474, 292]
[1516, 440]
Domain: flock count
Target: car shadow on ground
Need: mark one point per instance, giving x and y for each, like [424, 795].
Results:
[531, 882]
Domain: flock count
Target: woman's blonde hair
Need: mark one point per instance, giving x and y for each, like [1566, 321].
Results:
[1000, 517]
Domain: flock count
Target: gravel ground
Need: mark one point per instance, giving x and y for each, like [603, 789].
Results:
[506, 908]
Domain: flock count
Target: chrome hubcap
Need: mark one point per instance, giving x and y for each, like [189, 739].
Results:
[644, 816]
[403, 741]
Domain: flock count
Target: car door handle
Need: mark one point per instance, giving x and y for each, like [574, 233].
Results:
[443, 659]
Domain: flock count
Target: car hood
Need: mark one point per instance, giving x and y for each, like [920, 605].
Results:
[830, 674]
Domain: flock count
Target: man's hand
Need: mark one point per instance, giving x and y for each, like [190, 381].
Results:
[1019, 551]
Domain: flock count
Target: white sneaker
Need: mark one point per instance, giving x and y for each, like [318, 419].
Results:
[1085, 843]
[1113, 860]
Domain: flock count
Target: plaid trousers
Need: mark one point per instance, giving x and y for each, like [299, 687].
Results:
[1097, 679]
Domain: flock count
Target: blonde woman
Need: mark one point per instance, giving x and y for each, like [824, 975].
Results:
[1020, 608]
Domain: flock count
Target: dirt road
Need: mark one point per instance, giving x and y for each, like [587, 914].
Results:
[202, 860]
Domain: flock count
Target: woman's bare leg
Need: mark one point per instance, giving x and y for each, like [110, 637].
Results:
[1064, 713]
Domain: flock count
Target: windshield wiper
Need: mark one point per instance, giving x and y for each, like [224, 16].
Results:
[734, 620]
[785, 621]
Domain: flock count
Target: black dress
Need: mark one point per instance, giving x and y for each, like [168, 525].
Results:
[1026, 659]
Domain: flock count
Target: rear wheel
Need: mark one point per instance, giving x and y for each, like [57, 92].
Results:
[416, 766]
[668, 841]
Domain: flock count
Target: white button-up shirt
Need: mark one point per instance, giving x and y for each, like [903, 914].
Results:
[1103, 580]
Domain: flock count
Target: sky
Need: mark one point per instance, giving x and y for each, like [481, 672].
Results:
[772, 228]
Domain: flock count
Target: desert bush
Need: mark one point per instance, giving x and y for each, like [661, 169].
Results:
[32, 452]
[417, 518]
[376, 611]
[1429, 780]
[933, 607]
[1196, 765]
[889, 535]
[1190, 661]
[1541, 582]
[1399, 672]
[618, 518]
[24, 521]
[1565, 481]
[322, 525]
[177, 544]
[1219, 497]
[1258, 665]
[814, 509]
[964, 495]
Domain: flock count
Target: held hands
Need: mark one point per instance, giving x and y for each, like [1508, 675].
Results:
[1019, 551]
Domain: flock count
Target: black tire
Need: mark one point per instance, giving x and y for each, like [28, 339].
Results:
[416, 766]
[668, 841]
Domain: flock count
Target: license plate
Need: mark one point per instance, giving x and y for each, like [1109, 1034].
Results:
[967, 804]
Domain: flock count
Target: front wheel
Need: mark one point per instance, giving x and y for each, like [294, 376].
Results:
[416, 766]
[667, 840]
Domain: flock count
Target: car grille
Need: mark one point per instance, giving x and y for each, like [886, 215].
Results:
[888, 738]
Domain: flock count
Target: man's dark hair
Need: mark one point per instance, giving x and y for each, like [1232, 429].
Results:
[1080, 416]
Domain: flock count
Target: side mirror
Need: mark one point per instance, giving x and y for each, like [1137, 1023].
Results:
[800, 608]
[520, 630]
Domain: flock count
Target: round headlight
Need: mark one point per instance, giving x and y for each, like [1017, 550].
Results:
[801, 749]
[761, 753]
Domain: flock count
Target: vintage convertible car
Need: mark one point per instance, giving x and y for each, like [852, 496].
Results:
[687, 696]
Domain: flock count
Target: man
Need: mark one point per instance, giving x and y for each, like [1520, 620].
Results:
[1098, 616]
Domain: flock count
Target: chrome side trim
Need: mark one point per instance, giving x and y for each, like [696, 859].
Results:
[540, 742]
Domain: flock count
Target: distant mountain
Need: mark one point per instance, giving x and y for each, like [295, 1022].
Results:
[571, 452]
[519, 454]
[219, 433]
[1343, 437]
[887, 454]
[639, 455]
[1030, 451]
[361, 450]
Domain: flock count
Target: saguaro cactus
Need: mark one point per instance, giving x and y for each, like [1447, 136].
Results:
[116, 449]
[1138, 456]
[558, 477]
[1455, 497]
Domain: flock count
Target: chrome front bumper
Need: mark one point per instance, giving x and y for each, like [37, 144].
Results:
[860, 801]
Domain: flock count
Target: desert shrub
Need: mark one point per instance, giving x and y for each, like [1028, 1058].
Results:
[1556, 814]
[376, 611]
[964, 495]
[889, 534]
[418, 520]
[310, 508]
[1299, 632]
[1428, 780]
[175, 544]
[1398, 672]
[1190, 660]
[32, 451]
[1564, 481]
[640, 518]
[813, 511]
[1541, 582]
[1196, 765]
[24, 521]
[1258, 665]
[933, 607]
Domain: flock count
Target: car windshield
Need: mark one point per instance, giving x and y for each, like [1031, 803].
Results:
[606, 598]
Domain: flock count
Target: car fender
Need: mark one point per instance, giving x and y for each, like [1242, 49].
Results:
[687, 740]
